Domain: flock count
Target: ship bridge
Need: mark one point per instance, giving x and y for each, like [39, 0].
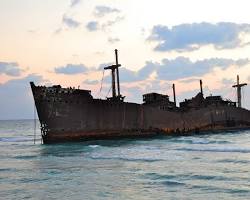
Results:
[158, 100]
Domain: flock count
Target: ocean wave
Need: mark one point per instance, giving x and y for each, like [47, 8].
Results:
[25, 157]
[209, 177]
[218, 149]
[233, 161]
[200, 141]
[94, 146]
[132, 159]
[172, 183]
[217, 189]
[125, 156]
[163, 177]
[157, 176]
[140, 153]
[15, 139]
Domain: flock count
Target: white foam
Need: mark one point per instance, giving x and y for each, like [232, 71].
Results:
[94, 146]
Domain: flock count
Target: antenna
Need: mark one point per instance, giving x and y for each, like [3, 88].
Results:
[238, 86]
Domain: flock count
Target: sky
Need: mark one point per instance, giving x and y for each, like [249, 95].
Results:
[160, 42]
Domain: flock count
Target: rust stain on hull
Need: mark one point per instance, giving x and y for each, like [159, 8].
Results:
[58, 137]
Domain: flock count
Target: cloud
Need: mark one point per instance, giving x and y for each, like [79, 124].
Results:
[242, 62]
[127, 75]
[188, 37]
[74, 3]
[92, 26]
[226, 81]
[182, 67]
[190, 80]
[148, 69]
[57, 31]
[91, 82]
[110, 23]
[70, 22]
[101, 11]
[186, 95]
[113, 40]
[178, 68]
[95, 25]
[16, 99]
[71, 69]
[133, 94]
[101, 66]
[10, 68]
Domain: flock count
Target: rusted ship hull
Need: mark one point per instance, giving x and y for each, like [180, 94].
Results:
[74, 115]
[58, 137]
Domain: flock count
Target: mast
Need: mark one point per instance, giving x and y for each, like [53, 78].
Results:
[238, 86]
[117, 72]
[113, 82]
[174, 95]
[114, 68]
[201, 87]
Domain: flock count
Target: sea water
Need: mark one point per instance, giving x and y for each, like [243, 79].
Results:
[211, 166]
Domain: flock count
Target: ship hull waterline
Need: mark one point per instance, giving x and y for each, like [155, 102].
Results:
[53, 138]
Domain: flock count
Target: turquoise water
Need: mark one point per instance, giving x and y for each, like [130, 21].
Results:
[197, 167]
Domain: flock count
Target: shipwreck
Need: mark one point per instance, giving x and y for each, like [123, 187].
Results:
[69, 114]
